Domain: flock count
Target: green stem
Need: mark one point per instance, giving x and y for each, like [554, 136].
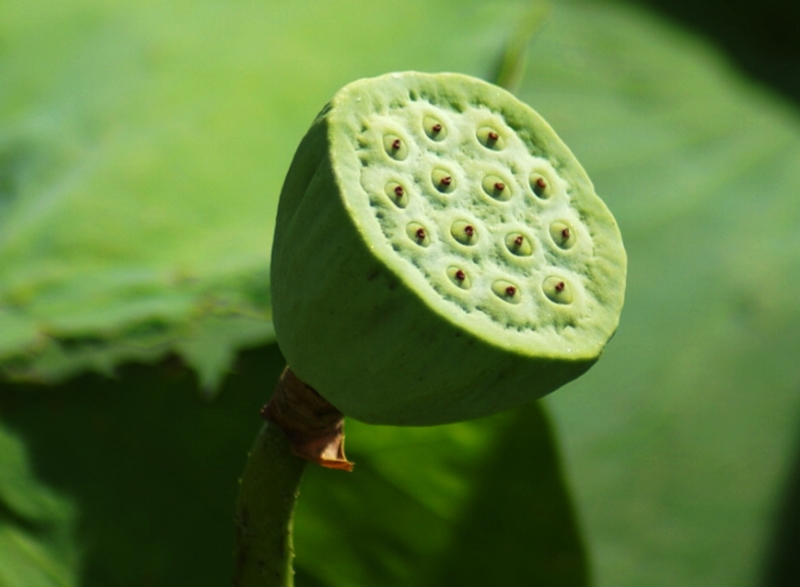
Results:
[264, 511]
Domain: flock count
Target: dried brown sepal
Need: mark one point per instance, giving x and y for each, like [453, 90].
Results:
[315, 428]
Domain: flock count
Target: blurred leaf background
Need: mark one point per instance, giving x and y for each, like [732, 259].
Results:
[142, 148]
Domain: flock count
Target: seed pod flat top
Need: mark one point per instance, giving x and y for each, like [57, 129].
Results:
[440, 254]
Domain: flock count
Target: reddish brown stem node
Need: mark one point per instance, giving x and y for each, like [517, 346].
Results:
[314, 428]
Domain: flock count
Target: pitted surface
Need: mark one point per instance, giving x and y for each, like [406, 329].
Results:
[477, 209]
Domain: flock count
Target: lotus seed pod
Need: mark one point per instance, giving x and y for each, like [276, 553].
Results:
[440, 254]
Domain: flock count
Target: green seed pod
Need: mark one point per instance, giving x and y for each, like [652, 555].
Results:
[493, 276]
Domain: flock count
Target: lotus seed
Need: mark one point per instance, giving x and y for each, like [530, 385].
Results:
[417, 233]
[504, 271]
[506, 291]
[490, 138]
[459, 277]
[442, 180]
[397, 194]
[539, 186]
[495, 187]
[518, 245]
[395, 148]
[433, 128]
[557, 290]
[562, 235]
[464, 232]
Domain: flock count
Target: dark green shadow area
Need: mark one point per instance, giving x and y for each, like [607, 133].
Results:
[763, 38]
[533, 537]
[783, 564]
[152, 471]
[152, 467]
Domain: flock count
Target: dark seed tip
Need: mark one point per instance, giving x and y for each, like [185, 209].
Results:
[560, 286]
[511, 290]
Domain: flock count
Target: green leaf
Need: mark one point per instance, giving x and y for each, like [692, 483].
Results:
[153, 468]
[37, 547]
[142, 149]
[146, 148]
[475, 503]
[679, 440]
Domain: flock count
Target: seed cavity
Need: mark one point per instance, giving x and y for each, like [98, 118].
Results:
[434, 129]
[557, 290]
[519, 245]
[540, 186]
[418, 233]
[443, 180]
[397, 194]
[479, 209]
[506, 291]
[464, 232]
[496, 187]
[459, 277]
[490, 138]
[395, 147]
[563, 235]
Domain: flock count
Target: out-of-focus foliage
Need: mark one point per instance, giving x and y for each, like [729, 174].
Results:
[141, 150]
[37, 546]
[144, 147]
[679, 441]
[153, 469]
[763, 38]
